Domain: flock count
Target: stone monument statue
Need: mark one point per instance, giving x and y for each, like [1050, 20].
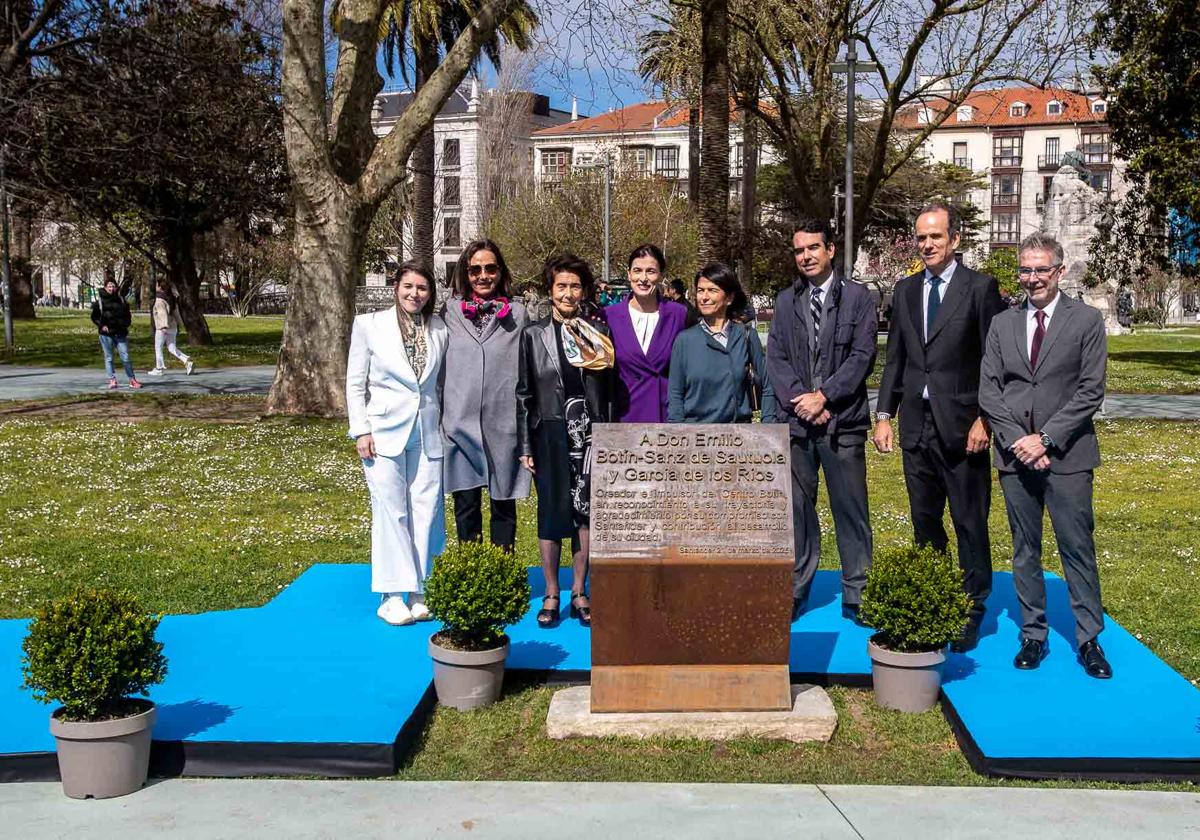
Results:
[1072, 212]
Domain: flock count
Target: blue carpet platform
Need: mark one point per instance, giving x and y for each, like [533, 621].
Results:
[314, 684]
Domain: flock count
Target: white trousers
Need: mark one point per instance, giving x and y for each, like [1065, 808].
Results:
[166, 337]
[408, 522]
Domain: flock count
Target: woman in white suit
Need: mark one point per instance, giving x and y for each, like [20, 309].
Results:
[392, 402]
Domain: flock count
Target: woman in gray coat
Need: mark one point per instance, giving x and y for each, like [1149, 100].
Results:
[479, 396]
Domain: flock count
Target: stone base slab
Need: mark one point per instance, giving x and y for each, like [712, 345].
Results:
[812, 718]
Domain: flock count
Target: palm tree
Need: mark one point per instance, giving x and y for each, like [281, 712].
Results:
[432, 25]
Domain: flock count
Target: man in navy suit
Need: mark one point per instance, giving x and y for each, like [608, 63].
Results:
[820, 351]
[936, 339]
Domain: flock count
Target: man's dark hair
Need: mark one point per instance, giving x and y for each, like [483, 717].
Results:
[462, 283]
[419, 269]
[810, 224]
[575, 265]
[936, 204]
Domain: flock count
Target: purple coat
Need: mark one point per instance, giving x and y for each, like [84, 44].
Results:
[641, 387]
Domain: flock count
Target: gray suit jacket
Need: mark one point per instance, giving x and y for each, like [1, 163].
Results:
[1058, 398]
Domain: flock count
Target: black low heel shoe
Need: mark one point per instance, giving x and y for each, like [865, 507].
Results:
[581, 611]
[547, 617]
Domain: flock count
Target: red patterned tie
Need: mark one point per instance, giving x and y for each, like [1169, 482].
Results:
[1038, 335]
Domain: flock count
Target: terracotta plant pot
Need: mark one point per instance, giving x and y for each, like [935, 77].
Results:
[908, 682]
[106, 758]
[467, 679]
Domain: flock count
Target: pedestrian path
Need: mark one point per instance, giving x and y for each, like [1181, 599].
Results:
[35, 383]
[268, 809]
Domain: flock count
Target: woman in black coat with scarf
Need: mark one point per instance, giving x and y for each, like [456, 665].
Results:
[564, 384]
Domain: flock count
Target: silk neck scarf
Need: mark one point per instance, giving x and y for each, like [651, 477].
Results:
[584, 345]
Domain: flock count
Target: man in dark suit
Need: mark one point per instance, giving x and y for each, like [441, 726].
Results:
[940, 320]
[1041, 383]
[820, 350]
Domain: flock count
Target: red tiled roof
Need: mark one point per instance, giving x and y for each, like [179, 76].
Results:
[638, 117]
[992, 109]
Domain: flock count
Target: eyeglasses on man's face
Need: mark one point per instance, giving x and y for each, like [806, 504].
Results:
[1041, 272]
[478, 270]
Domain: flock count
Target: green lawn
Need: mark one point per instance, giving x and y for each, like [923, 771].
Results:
[68, 338]
[198, 516]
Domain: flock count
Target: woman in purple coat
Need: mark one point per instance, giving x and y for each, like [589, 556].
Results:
[644, 328]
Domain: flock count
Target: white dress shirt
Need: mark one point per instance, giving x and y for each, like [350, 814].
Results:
[947, 275]
[1031, 322]
[644, 324]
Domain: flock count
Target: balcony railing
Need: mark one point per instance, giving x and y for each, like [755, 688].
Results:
[1004, 237]
[964, 162]
[1049, 161]
[1006, 161]
[1006, 199]
[667, 172]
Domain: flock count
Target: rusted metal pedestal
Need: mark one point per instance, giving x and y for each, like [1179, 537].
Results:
[691, 568]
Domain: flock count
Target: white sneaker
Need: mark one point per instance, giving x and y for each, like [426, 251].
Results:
[155, 372]
[419, 611]
[188, 367]
[393, 610]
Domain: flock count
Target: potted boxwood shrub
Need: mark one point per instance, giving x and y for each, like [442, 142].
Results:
[915, 601]
[90, 652]
[475, 590]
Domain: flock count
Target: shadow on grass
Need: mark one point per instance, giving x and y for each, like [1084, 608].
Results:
[1182, 362]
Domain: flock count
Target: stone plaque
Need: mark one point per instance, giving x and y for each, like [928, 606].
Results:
[692, 556]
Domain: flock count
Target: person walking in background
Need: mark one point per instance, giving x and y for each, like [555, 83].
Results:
[111, 315]
[564, 386]
[1046, 448]
[479, 403]
[166, 329]
[820, 352]
[396, 355]
[940, 321]
[644, 329]
[718, 373]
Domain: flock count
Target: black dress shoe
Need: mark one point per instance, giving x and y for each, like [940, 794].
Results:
[1092, 657]
[968, 639]
[1031, 654]
[850, 612]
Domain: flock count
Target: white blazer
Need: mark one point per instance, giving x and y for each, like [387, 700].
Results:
[384, 396]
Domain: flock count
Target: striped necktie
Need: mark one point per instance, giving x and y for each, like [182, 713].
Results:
[816, 310]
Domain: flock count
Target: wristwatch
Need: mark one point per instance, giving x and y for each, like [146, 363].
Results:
[1046, 441]
[882, 415]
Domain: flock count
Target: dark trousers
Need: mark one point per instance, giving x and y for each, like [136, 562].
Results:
[933, 476]
[1027, 493]
[468, 518]
[843, 460]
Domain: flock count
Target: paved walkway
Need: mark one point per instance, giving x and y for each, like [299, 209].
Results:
[32, 383]
[218, 808]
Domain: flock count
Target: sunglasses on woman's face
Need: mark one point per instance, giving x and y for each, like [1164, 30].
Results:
[477, 270]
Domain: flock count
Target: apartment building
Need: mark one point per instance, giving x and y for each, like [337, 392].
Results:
[1017, 138]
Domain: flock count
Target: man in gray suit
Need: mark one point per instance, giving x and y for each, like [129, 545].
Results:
[1041, 382]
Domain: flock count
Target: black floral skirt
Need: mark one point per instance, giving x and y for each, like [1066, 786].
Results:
[563, 461]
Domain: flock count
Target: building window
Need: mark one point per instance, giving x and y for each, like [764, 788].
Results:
[1053, 108]
[736, 161]
[1006, 228]
[450, 268]
[666, 161]
[450, 232]
[556, 163]
[1052, 158]
[584, 158]
[1099, 107]
[960, 156]
[965, 113]
[1006, 151]
[1095, 147]
[1017, 109]
[450, 191]
[1101, 180]
[450, 153]
[636, 159]
[1006, 190]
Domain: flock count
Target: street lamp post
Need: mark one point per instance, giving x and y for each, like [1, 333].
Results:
[851, 66]
[5, 266]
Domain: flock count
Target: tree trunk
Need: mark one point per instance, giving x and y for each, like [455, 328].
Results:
[422, 165]
[749, 214]
[21, 263]
[185, 283]
[310, 378]
[714, 98]
[693, 185]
